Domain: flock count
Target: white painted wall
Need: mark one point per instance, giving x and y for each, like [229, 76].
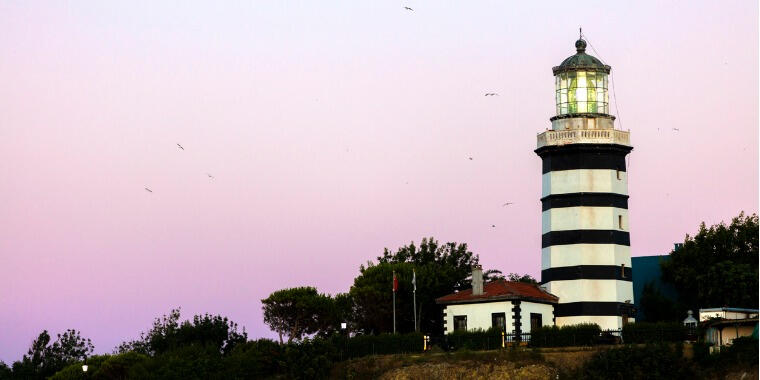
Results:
[479, 314]
[604, 322]
[591, 290]
[583, 218]
[546, 311]
[585, 254]
[584, 180]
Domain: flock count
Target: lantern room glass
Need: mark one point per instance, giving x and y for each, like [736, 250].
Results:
[581, 92]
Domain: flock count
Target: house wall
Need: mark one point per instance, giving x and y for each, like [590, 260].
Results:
[479, 314]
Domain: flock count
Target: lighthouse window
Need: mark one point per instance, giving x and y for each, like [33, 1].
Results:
[618, 174]
[581, 92]
[620, 222]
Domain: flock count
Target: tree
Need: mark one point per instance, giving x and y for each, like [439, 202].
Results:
[440, 270]
[522, 278]
[718, 266]
[44, 359]
[213, 331]
[297, 312]
[656, 307]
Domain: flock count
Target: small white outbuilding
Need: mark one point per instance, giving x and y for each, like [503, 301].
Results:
[513, 307]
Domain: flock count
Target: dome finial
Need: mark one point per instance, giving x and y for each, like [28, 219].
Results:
[580, 46]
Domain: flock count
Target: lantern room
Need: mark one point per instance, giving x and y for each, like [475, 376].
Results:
[581, 84]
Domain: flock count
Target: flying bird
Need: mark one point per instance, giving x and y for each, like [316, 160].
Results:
[470, 158]
[210, 176]
[409, 9]
[676, 129]
[493, 225]
[180, 146]
[491, 94]
[507, 204]
[149, 190]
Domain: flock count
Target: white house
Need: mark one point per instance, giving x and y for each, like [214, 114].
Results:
[510, 306]
[724, 324]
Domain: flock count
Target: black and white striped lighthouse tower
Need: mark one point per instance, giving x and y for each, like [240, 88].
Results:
[585, 244]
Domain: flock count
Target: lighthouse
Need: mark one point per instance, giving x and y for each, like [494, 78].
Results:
[585, 241]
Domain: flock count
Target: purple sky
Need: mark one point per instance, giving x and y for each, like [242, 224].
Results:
[333, 130]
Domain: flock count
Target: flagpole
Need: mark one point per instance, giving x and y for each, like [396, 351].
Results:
[414, 299]
[394, 301]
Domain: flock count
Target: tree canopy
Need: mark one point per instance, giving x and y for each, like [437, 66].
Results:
[440, 270]
[43, 359]
[718, 266]
[302, 311]
[215, 332]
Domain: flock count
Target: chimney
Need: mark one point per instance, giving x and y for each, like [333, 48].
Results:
[477, 280]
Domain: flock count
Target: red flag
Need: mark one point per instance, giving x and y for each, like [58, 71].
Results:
[395, 282]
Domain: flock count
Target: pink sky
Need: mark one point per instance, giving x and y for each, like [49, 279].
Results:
[333, 130]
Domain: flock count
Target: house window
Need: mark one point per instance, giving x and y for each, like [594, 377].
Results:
[460, 323]
[535, 321]
[499, 321]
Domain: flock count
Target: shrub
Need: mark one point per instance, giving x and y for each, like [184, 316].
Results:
[654, 361]
[585, 334]
[645, 332]
[474, 340]
[383, 344]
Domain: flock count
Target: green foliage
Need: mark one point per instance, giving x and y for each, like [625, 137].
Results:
[522, 278]
[5, 371]
[74, 371]
[383, 344]
[255, 359]
[204, 330]
[718, 266]
[656, 307]
[474, 340]
[646, 332]
[44, 359]
[440, 270]
[297, 312]
[654, 361]
[129, 365]
[584, 334]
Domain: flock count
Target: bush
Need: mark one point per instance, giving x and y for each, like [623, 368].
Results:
[654, 361]
[383, 344]
[255, 359]
[645, 332]
[585, 334]
[474, 340]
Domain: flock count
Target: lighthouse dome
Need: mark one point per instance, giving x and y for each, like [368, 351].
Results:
[581, 61]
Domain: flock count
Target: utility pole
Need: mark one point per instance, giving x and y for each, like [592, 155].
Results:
[395, 288]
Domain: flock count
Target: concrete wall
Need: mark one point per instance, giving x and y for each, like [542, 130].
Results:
[591, 290]
[584, 218]
[585, 254]
[584, 181]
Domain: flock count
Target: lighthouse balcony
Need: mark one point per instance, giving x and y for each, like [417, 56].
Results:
[581, 136]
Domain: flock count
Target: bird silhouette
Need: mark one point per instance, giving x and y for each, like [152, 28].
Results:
[210, 176]
[507, 204]
[180, 146]
[149, 190]
[470, 158]
[493, 225]
[676, 129]
[409, 9]
[491, 94]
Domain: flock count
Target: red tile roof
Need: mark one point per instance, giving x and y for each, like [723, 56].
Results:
[501, 290]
